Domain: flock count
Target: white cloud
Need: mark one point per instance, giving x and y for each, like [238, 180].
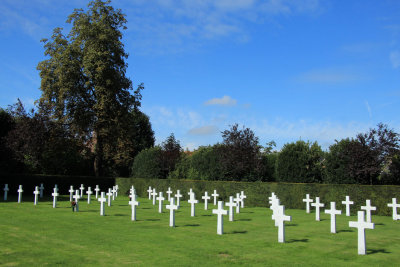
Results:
[395, 59]
[224, 101]
[204, 130]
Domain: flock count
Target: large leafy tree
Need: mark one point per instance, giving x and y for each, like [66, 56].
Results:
[83, 81]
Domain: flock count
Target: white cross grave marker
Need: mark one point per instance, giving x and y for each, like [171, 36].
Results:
[231, 204]
[237, 199]
[280, 219]
[192, 202]
[102, 201]
[134, 203]
[160, 199]
[308, 200]
[114, 192]
[178, 197]
[41, 190]
[154, 194]
[109, 196]
[190, 192]
[81, 190]
[6, 189]
[220, 221]
[368, 208]
[317, 206]
[361, 225]
[71, 192]
[348, 203]
[215, 195]
[394, 206]
[150, 191]
[97, 189]
[271, 198]
[36, 192]
[274, 207]
[333, 212]
[20, 193]
[89, 192]
[206, 197]
[132, 191]
[242, 197]
[55, 194]
[172, 207]
[77, 196]
[169, 192]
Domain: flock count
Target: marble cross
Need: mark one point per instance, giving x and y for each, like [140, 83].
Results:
[172, 207]
[36, 192]
[192, 201]
[190, 192]
[20, 193]
[160, 199]
[274, 207]
[71, 192]
[97, 189]
[308, 200]
[317, 206]
[41, 190]
[81, 190]
[134, 203]
[242, 197]
[109, 197]
[271, 198]
[237, 199]
[77, 196]
[347, 203]
[102, 201]
[280, 219]
[150, 191]
[89, 192]
[368, 208]
[6, 189]
[169, 192]
[178, 197]
[333, 212]
[55, 194]
[231, 204]
[220, 221]
[215, 195]
[394, 206]
[206, 197]
[361, 225]
[132, 191]
[114, 192]
[154, 194]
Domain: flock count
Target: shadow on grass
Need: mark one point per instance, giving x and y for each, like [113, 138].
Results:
[193, 225]
[247, 212]
[238, 232]
[345, 231]
[374, 251]
[152, 220]
[379, 224]
[291, 224]
[305, 240]
[208, 215]
[243, 220]
[120, 215]
[145, 208]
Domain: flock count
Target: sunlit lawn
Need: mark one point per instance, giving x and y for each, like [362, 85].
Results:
[40, 235]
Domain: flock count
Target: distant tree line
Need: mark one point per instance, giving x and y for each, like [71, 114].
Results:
[370, 158]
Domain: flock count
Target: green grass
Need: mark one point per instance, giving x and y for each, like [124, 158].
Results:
[40, 235]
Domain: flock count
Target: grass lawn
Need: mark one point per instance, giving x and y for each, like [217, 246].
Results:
[40, 235]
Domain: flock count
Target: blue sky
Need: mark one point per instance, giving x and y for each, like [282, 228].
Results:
[315, 70]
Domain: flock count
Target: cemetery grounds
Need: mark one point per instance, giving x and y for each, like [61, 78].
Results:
[43, 235]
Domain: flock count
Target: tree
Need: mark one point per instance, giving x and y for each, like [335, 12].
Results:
[171, 153]
[148, 164]
[240, 154]
[83, 83]
[300, 162]
[7, 123]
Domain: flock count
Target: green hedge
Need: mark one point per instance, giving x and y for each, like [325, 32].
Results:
[29, 181]
[290, 194]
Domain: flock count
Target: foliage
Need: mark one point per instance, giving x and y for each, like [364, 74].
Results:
[300, 162]
[83, 83]
[240, 154]
[148, 163]
[171, 153]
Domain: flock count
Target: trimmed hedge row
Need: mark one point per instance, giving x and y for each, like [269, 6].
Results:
[29, 181]
[290, 194]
